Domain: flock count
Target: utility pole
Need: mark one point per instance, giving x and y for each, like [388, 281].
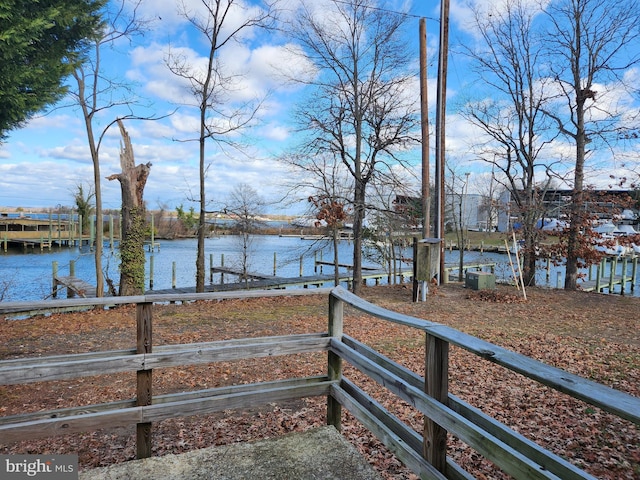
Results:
[421, 280]
[436, 350]
[424, 117]
[440, 130]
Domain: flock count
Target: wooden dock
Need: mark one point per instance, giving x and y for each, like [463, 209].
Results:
[74, 286]
[600, 280]
[267, 282]
[344, 265]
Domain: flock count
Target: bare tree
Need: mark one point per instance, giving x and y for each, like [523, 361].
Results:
[508, 61]
[486, 185]
[133, 179]
[219, 23]
[456, 190]
[591, 46]
[244, 207]
[360, 111]
[323, 182]
[395, 219]
[96, 92]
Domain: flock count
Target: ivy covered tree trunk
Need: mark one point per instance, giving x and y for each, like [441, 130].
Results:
[132, 181]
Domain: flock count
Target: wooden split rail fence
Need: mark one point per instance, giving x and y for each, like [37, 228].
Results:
[424, 453]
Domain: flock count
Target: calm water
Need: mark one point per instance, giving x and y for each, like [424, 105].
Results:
[28, 276]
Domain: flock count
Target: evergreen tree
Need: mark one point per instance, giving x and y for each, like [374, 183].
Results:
[39, 44]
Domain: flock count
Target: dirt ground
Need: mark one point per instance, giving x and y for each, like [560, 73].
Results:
[595, 336]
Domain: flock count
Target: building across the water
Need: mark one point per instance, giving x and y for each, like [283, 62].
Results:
[27, 231]
[607, 205]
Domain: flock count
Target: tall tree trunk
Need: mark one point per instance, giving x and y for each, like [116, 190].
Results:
[358, 221]
[99, 218]
[529, 258]
[577, 198]
[200, 273]
[336, 260]
[529, 236]
[132, 182]
[97, 185]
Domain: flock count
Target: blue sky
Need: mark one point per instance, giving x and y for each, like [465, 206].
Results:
[41, 164]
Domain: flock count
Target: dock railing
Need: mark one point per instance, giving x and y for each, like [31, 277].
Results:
[423, 452]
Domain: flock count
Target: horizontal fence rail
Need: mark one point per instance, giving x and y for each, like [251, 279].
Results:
[613, 401]
[424, 453]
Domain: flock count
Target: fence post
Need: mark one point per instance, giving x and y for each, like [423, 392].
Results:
[144, 314]
[436, 385]
[336, 319]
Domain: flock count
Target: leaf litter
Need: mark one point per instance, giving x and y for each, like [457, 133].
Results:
[594, 336]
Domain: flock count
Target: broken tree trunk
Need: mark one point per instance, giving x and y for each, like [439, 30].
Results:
[132, 181]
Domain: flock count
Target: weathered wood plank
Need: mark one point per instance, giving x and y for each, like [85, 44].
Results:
[158, 399]
[172, 296]
[144, 378]
[16, 432]
[507, 458]
[619, 403]
[76, 285]
[236, 352]
[67, 367]
[80, 357]
[65, 370]
[407, 435]
[334, 362]
[436, 385]
[237, 342]
[155, 413]
[549, 460]
[394, 442]
[172, 406]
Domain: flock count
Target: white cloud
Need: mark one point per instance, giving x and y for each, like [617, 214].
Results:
[41, 164]
[65, 120]
[462, 12]
[75, 152]
[274, 131]
[281, 64]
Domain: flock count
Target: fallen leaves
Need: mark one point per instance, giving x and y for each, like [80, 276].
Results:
[495, 296]
[594, 336]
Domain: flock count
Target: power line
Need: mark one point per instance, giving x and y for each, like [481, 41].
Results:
[387, 10]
